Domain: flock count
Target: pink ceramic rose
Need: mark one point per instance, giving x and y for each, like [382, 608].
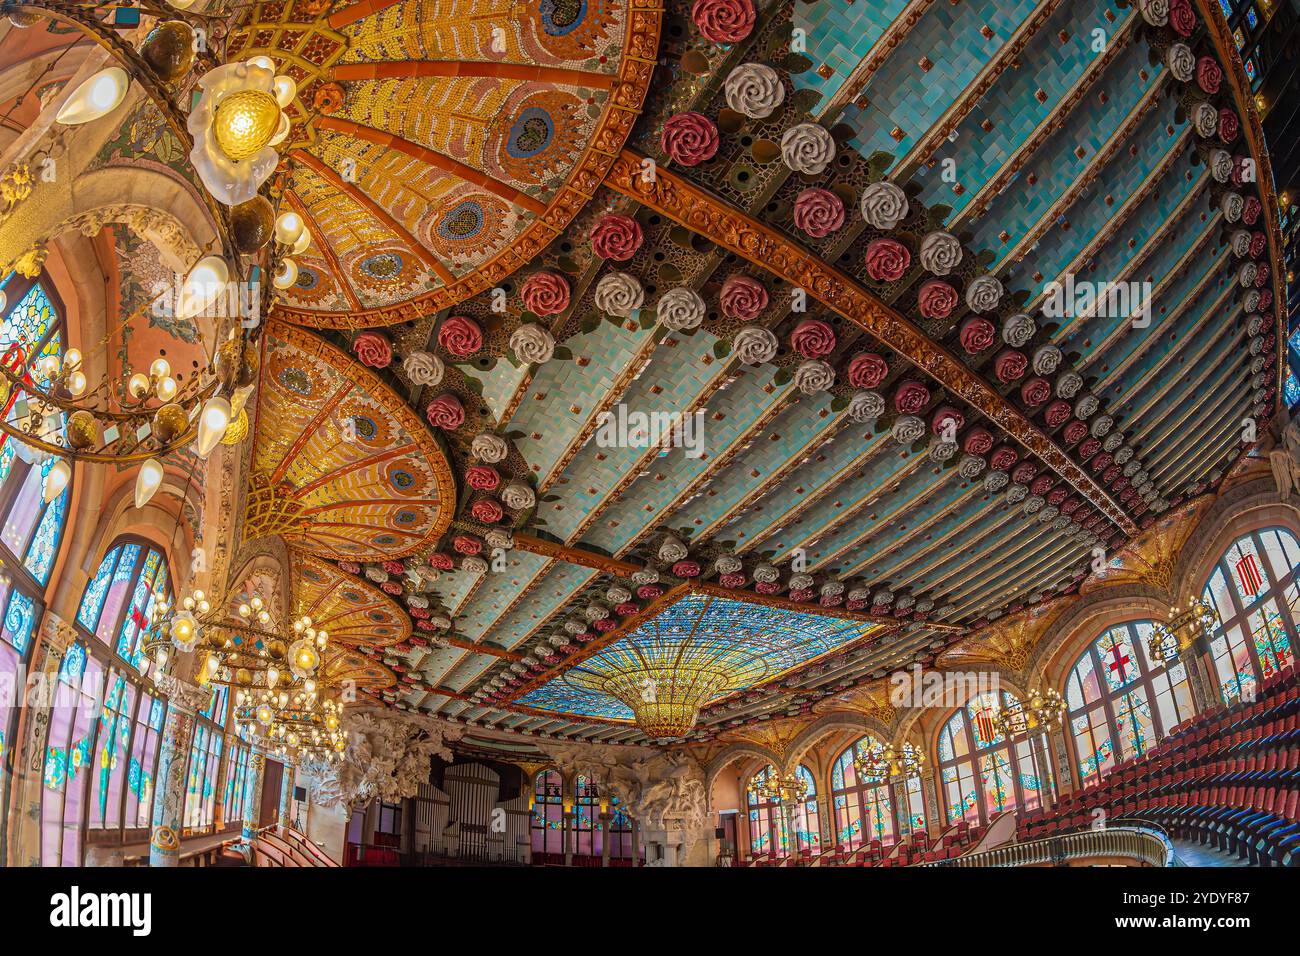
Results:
[742, 298]
[867, 370]
[373, 349]
[1010, 365]
[482, 477]
[976, 334]
[445, 412]
[818, 212]
[813, 338]
[546, 293]
[911, 397]
[724, 21]
[887, 260]
[689, 138]
[616, 237]
[486, 510]
[460, 336]
[936, 299]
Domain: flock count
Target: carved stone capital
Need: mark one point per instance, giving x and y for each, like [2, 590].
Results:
[182, 694]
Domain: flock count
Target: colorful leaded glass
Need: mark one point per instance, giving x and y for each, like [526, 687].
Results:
[747, 642]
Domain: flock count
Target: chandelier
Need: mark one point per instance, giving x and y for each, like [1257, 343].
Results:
[1040, 712]
[665, 699]
[304, 726]
[236, 120]
[789, 788]
[1169, 639]
[883, 761]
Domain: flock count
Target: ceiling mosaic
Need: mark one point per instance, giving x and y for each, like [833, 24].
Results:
[752, 349]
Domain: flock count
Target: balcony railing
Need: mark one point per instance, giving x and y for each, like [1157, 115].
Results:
[1140, 844]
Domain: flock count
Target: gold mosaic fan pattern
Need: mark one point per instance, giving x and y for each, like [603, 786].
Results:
[342, 468]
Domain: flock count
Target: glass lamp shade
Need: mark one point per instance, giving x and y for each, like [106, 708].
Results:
[245, 122]
[57, 479]
[95, 97]
[286, 275]
[202, 286]
[288, 228]
[213, 420]
[148, 481]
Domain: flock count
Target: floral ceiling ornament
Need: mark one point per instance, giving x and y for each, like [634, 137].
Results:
[681, 309]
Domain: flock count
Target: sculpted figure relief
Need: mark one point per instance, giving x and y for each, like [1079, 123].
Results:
[387, 757]
[1284, 458]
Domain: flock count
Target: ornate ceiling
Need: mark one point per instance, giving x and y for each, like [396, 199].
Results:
[824, 235]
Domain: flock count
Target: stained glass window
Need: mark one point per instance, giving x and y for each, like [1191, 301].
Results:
[118, 605]
[770, 820]
[32, 327]
[1254, 590]
[982, 773]
[201, 782]
[1121, 701]
[112, 754]
[586, 817]
[548, 813]
[68, 756]
[862, 803]
[236, 775]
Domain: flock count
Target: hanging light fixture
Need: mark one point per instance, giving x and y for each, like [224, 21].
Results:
[148, 481]
[95, 97]
[1170, 639]
[56, 480]
[213, 420]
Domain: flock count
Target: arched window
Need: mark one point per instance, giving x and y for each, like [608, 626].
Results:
[1258, 610]
[586, 817]
[106, 725]
[68, 752]
[863, 805]
[982, 772]
[548, 813]
[768, 826]
[620, 831]
[1110, 695]
[31, 325]
[118, 606]
[32, 328]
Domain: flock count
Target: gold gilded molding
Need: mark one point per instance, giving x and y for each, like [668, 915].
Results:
[703, 213]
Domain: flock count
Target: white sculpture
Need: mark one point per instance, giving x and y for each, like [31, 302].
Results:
[1284, 458]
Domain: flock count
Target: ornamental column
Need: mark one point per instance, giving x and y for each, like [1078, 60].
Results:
[934, 818]
[285, 822]
[183, 702]
[1038, 744]
[253, 795]
[566, 833]
[605, 816]
[902, 816]
[636, 842]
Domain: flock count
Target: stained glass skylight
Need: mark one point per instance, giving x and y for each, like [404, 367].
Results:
[716, 645]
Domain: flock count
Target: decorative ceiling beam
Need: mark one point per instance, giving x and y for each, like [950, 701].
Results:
[358, 11]
[579, 556]
[674, 197]
[326, 249]
[326, 173]
[430, 157]
[522, 72]
[874, 58]
[1220, 35]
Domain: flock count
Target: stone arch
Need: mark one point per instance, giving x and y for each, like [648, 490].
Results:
[1246, 507]
[1053, 658]
[733, 753]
